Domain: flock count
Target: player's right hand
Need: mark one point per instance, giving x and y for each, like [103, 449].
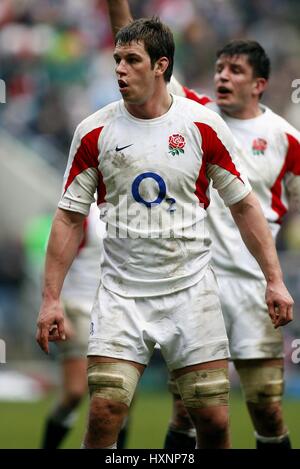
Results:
[280, 303]
[50, 324]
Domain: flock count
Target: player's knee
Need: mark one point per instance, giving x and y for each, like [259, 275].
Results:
[181, 416]
[204, 388]
[262, 385]
[105, 407]
[111, 387]
[181, 412]
[269, 417]
[212, 424]
[115, 382]
[105, 416]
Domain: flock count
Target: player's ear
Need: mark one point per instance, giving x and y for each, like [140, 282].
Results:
[161, 66]
[260, 84]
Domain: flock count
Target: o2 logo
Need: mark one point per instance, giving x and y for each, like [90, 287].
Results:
[162, 191]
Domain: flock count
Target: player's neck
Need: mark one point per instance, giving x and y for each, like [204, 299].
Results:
[156, 106]
[248, 112]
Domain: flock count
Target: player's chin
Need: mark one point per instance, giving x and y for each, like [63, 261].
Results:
[129, 98]
[124, 91]
[225, 103]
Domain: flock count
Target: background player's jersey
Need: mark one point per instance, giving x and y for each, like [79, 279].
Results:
[82, 280]
[271, 160]
[153, 185]
[177, 88]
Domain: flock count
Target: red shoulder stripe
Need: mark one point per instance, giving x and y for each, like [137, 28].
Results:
[214, 152]
[86, 155]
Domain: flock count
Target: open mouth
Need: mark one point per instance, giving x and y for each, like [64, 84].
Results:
[122, 84]
[223, 91]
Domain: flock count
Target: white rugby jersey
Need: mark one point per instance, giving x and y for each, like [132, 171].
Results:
[271, 160]
[152, 178]
[82, 280]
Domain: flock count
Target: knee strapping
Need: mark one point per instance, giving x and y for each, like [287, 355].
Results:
[173, 388]
[113, 381]
[204, 388]
[262, 384]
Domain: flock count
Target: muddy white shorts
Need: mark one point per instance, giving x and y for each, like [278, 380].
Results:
[188, 325]
[249, 328]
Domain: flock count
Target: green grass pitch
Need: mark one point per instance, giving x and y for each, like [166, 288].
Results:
[22, 423]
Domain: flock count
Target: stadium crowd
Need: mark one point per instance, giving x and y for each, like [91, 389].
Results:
[56, 57]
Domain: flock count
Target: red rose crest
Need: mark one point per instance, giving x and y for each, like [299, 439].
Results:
[259, 146]
[176, 144]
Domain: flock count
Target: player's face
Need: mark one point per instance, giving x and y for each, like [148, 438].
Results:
[135, 75]
[235, 86]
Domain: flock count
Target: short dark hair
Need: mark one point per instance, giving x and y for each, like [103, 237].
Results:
[157, 37]
[257, 57]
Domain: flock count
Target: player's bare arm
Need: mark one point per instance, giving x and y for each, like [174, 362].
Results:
[65, 237]
[119, 14]
[256, 235]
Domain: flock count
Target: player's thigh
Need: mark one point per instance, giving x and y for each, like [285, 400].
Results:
[198, 367]
[93, 360]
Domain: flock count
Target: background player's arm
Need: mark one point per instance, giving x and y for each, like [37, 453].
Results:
[256, 235]
[119, 14]
[65, 238]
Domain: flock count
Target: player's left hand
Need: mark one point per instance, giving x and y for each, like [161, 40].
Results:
[280, 303]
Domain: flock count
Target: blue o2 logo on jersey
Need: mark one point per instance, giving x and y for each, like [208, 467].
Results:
[161, 186]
